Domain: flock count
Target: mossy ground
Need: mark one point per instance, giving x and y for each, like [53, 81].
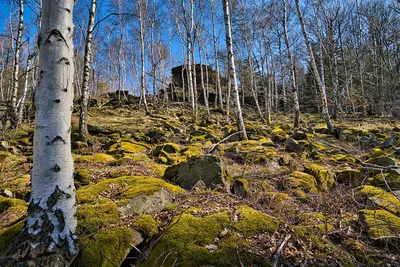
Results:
[309, 195]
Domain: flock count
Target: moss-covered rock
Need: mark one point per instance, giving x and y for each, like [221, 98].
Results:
[252, 222]
[192, 240]
[382, 161]
[342, 158]
[381, 198]
[170, 148]
[146, 225]
[210, 170]
[8, 233]
[123, 188]
[95, 158]
[392, 179]
[128, 147]
[92, 217]
[325, 178]
[11, 210]
[300, 183]
[108, 247]
[192, 151]
[82, 177]
[380, 223]
[349, 177]
[240, 187]
[254, 151]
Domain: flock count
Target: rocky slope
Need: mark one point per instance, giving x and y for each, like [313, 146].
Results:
[163, 190]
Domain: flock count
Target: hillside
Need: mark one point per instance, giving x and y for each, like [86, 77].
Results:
[164, 190]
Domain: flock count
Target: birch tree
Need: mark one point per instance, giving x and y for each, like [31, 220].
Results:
[83, 131]
[232, 70]
[48, 238]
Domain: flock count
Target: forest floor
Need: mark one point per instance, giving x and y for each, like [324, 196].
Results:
[285, 197]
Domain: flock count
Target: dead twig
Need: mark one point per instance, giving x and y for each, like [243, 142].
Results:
[279, 249]
[223, 140]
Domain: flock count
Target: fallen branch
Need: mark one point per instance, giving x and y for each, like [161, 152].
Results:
[223, 140]
[278, 251]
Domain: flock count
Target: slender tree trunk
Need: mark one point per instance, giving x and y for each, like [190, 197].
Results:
[83, 131]
[203, 88]
[320, 83]
[218, 89]
[17, 56]
[21, 104]
[232, 70]
[48, 238]
[293, 81]
[142, 55]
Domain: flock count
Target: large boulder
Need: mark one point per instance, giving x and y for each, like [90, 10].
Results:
[209, 169]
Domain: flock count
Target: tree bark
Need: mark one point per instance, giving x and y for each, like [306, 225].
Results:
[17, 56]
[83, 131]
[217, 73]
[292, 70]
[232, 70]
[142, 55]
[320, 83]
[48, 238]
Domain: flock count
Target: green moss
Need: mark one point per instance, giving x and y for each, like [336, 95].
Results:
[277, 198]
[253, 222]
[147, 225]
[19, 186]
[128, 147]
[360, 251]
[324, 177]
[192, 151]
[92, 217]
[377, 152]
[349, 176]
[240, 187]
[81, 177]
[392, 179]
[170, 148]
[317, 146]
[7, 234]
[380, 223]
[129, 187]
[107, 248]
[252, 150]
[381, 198]
[95, 158]
[187, 239]
[301, 183]
[342, 158]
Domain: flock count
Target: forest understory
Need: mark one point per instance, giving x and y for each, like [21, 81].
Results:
[164, 190]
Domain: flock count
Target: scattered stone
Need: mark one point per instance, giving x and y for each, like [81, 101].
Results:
[299, 135]
[148, 203]
[380, 223]
[389, 142]
[240, 187]
[292, 145]
[349, 177]
[6, 193]
[211, 170]
[324, 177]
[382, 161]
[4, 146]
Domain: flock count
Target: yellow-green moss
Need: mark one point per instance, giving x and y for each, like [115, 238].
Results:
[277, 198]
[130, 186]
[128, 147]
[112, 244]
[95, 158]
[317, 146]
[81, 177]
[342, 158]
[92, 217]
[192, 151]
[146, 225]
[187, 239]
[324, 177]
[392, 179]
[7, 234]
[253, 222]
[19, 186]
[377, 152]
[170, 148]
[381, 198]
[349, 176]
[380, 223]
[302, 183]
[240, 187]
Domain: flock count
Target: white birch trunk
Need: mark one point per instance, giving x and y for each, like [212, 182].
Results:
[17, 55]
[218, 90]
[48, 238]
[232, 70]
